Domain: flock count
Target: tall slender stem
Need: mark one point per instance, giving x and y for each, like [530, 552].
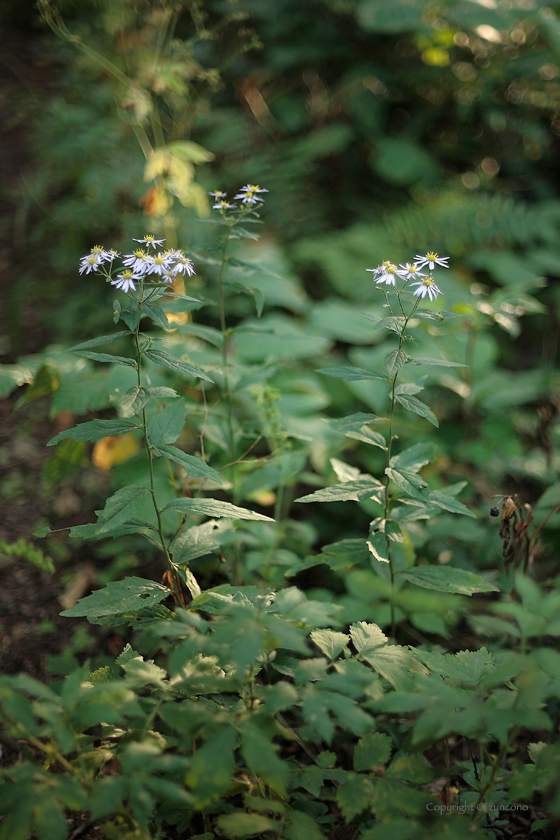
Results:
[389, 448]
[223, 326]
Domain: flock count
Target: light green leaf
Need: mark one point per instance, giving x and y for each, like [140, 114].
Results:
[414, 457]
[411, 387]
[95, 430]
[241, 824]
[102, 339]
[373, 750]
[409, 482]
[448, 579]
[330, 642]
[160, 357]
[354, 422]
[394, 360]
[121, 506]
[367, 638]
[213, 507]
[351, 374]
[134, 401]
[394, 323]
[198, 541]
[162, 393]
[350, 491]
[435, 362]
[106, 357]
[368, 436]
[417, 407]
[166, 426]
[446, 502]
[194, 466]
[354, 795]
[119, 597]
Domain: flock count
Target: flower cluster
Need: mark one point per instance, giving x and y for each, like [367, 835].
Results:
[248, 195]
[387, 273]
[164, 266]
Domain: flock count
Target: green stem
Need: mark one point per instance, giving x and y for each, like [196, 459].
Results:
[170, 566]
[389, 448]
[223, 327]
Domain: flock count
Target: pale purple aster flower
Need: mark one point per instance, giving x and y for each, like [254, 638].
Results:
[90, 262]
[426, 287]
[431, 259]
[218, 194]
[125, 280]
[149, 239]
[159, 264]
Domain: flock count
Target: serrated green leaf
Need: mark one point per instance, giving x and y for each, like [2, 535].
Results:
[162, 393]
[166, 426]
[330, 642]
[213, 507]
[393, 323]
[414, 457]
[373, 750]
[120, 507]
[417, 407]
[119, 597]
[367, 638]
[354, 795]
[301, 826]
[409, 482]
[394, 360]
[102, 339]
[351, 374]
[212, 766]
[241, 824]
[194, 466]
[134, 401]
[95, 430]
[354, 422]
[350, 491]
[260, 756]
[368, 436]
[198, 540]
[160, 357]
[466, 666]
[448, 579]
[435, 362]
[106, 357]
[446, 502]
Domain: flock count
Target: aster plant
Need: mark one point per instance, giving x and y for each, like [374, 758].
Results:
[403, 495]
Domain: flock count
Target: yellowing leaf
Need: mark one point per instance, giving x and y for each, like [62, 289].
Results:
[114, 450]
[155, 202]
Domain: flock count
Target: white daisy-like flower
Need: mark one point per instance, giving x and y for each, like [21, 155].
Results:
[223, 205]
[89, 263]
[169, 276]
[149, 239]
[110, 255]
[139, 261]
[427, 287]
[248, 193]
[431, 259]
[126, 280]
[409, 271]
[385, 273]
[159, 264]
[182, 265]
[218, 194]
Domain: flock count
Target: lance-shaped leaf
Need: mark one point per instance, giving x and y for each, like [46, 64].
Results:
[101, 339]
[428, 315]
[120, 597]
[354, 422]
[394, 323]
[163, 393]
[417, 407]
[435, 362]
[350, 491]
[166, 426]
[414, 457]
[351, 374]
[411, 387]
[175, 364]
[194, 466]
[394, 360]
[105, 357]
[368, 436]
[198, 541]
[409, 482]
[213, 507]
[155, 312]
[121, 506]
[446, 502]
[95, 430]
[379, 546]
[448, 579]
